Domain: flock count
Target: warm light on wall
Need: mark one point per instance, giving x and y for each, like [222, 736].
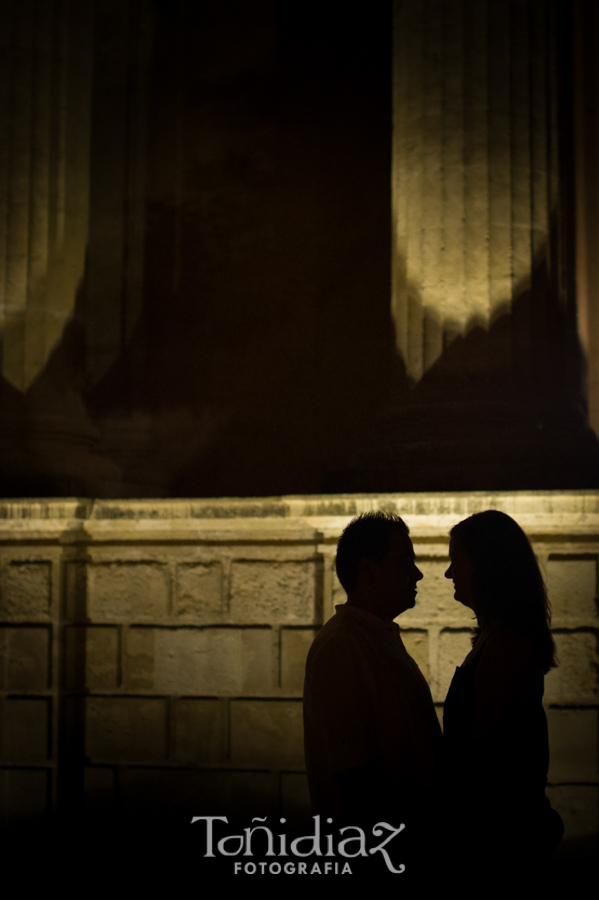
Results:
[45, 186]
[474, 168]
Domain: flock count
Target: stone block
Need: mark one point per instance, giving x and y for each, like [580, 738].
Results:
[578, 805]
[435, 601]
[24, 795]
[295, 796]
[575, 680]
[572, 586]
[573, 744]
[454, 647]
[273, 592]
[25, 730]
[295, 643]
[92, 657]
[138, 658]
[26, 590]
[24, 661]
[416, 643]
[101, 658]
[125, 728]
[199, 590]
[199, 733]
[128, 590]
[267, 732]
[217, 661]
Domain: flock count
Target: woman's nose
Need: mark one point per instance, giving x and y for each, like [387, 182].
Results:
[449, 573]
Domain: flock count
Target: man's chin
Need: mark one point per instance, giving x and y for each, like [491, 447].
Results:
[410, 603]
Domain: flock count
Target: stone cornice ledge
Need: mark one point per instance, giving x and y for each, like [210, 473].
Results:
[288, 518]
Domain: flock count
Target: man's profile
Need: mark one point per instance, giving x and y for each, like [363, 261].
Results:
[372, 738]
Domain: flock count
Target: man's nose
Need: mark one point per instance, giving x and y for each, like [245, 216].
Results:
[419, 575]
[449, 573]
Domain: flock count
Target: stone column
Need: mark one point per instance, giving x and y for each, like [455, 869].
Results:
[44, 175]
[586, 130]
[483, 279]
[475, 168]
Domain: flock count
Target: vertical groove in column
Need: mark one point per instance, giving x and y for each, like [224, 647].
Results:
[117, 164]
[43, 177]
[540, 223]
[400, 180]
[19, 165]
[36, 310]
[412, 47]
[539, 213]
[60, 87]
[72, 61]
[523, 323]
[476, 164]
[134, 227]
[500, 237]
[432, 183]
[108, 186]
[520, 147]
[476, 177]
[453, 168]
[556, 249]
[178, 148]
[6, 13]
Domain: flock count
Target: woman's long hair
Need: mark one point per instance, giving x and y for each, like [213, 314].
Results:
[508, 584]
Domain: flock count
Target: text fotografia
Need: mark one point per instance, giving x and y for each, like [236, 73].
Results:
[351, 842]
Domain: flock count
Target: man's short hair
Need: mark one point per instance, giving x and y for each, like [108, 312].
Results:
[368, 536]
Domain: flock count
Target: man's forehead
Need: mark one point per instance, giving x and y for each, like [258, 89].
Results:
[401, 543]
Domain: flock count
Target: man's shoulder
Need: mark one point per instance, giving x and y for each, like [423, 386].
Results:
[335, 629]
[337, 637]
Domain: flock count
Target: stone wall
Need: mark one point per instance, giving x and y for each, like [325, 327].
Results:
[153, 651]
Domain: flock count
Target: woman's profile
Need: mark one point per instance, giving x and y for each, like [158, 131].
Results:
[494, 721]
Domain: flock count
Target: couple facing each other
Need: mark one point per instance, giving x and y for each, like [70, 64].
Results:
[374, 747]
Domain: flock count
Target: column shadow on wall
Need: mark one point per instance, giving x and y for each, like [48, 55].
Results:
[504, 407]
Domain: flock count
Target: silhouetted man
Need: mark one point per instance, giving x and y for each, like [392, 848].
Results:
[372, 738]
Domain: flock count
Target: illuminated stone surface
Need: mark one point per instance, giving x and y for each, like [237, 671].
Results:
[44, 183]
[125, 728]
[24, 662]
[92, 657]
[217, 688]
[25, 590]
[267, 732]
[213, 661]
[264, 591]
[474, 168]
[128, 589]
[25, 730]
[199, 731]
[295, 644]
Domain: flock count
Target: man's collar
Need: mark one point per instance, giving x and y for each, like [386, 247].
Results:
[367, 618]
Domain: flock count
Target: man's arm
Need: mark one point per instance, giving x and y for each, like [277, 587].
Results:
[339, 722]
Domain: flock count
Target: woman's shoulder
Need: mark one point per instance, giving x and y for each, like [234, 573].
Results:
[505, 647]
[507, 636]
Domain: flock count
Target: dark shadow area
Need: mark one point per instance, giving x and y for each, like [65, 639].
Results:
[503, 408]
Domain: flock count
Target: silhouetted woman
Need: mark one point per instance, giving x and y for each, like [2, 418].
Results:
[495, 725]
